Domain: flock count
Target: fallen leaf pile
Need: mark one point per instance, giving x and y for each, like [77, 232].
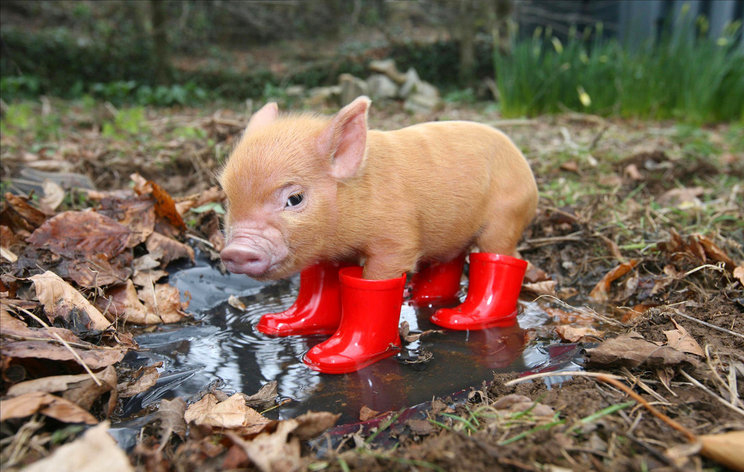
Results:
[70, 285]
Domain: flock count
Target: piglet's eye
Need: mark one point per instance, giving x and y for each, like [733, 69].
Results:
[294, 200]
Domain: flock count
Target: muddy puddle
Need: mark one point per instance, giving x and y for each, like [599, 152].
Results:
[223, 346]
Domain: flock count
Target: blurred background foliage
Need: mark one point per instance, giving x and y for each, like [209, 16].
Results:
[531, 56]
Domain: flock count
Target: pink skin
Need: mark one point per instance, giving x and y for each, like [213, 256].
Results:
[256, 246]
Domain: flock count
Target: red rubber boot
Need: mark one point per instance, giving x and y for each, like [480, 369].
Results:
[370, 310]
[317, 309]
[437, 282]
[494, 285]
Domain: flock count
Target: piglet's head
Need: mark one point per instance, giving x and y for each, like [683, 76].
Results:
[281, 184]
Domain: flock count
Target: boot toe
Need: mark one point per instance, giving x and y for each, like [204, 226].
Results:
[456, 319]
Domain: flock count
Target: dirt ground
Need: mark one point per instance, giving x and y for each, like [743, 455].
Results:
[637, 250]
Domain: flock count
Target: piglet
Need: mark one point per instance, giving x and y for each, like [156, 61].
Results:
[311, 194]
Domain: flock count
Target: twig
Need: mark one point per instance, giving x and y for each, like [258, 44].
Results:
[583, 310]
[75, 354]
[709, 391]
[578, 373]
[686, 432]
[704, 323]
[718, 267]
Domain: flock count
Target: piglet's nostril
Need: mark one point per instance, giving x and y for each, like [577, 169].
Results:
[244, 260]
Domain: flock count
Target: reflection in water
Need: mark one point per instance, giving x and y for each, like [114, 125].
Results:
[227, 346]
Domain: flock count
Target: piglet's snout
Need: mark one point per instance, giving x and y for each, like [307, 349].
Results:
[241, 259]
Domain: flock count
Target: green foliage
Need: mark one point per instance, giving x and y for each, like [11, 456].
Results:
[121, 92]
[684, 77]
[126, 122]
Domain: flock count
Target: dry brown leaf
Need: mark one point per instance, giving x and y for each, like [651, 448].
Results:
[142, 380]
[681, 340]
[96, 270]
[164, 300]
[312, 423]
[631, 171]
[169, 248]
[95, 358]
[273, 452]
[81, 234]
[146, 278]
[211, 195]
[546, 287]
[725, 448]
[137, 214]
[601, 291]
[421, 427]
[171, 416]
[235, 302]
[535, 274]
[682, 198]
[739, 274]
[165, 207]
[124, 304]
[265, 397]
[574, 334]
[232, 413]
[367, 413]
[53, 197]
[632, 350]
[46, 404]
[94, 451]
[20, 214]
[61, 300]
[79, 389]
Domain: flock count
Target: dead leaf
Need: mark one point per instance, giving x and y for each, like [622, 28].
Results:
[273, 452]
[535, 274]
[570, 166]
[124, 304]
[682, 198]
[165, 207]
[171, 416]
[546, 287]
[421, 427]
[574, 334]
[601, 291]
[142, 380]
[79, 389]
[681, 340]
[96, 270]
[94, 451]
[739, 274]
[170, 249]
[235, 302]
[53, 197]
[147, 278]
[631, 171]
[46, 404]
[367, 413]
[265, 397]
[632, 350]
[61, 300]
[725, 448]
[698, 247]
[312, 423]
[211, 195]
[95, 358]
[81, 234]
[137, 214]
[20, 214]
[232, 413]
[164, 300]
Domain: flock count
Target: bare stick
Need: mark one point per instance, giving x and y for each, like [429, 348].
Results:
[578, 373]
[64, 343]
[704, 323]
[709, 391]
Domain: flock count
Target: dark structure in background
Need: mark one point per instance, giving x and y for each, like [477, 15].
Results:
[633, 22]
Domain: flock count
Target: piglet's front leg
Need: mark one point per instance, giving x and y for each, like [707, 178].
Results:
[389, 261]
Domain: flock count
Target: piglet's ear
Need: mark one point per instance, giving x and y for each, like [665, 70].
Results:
[262, 117]
[345, 138]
